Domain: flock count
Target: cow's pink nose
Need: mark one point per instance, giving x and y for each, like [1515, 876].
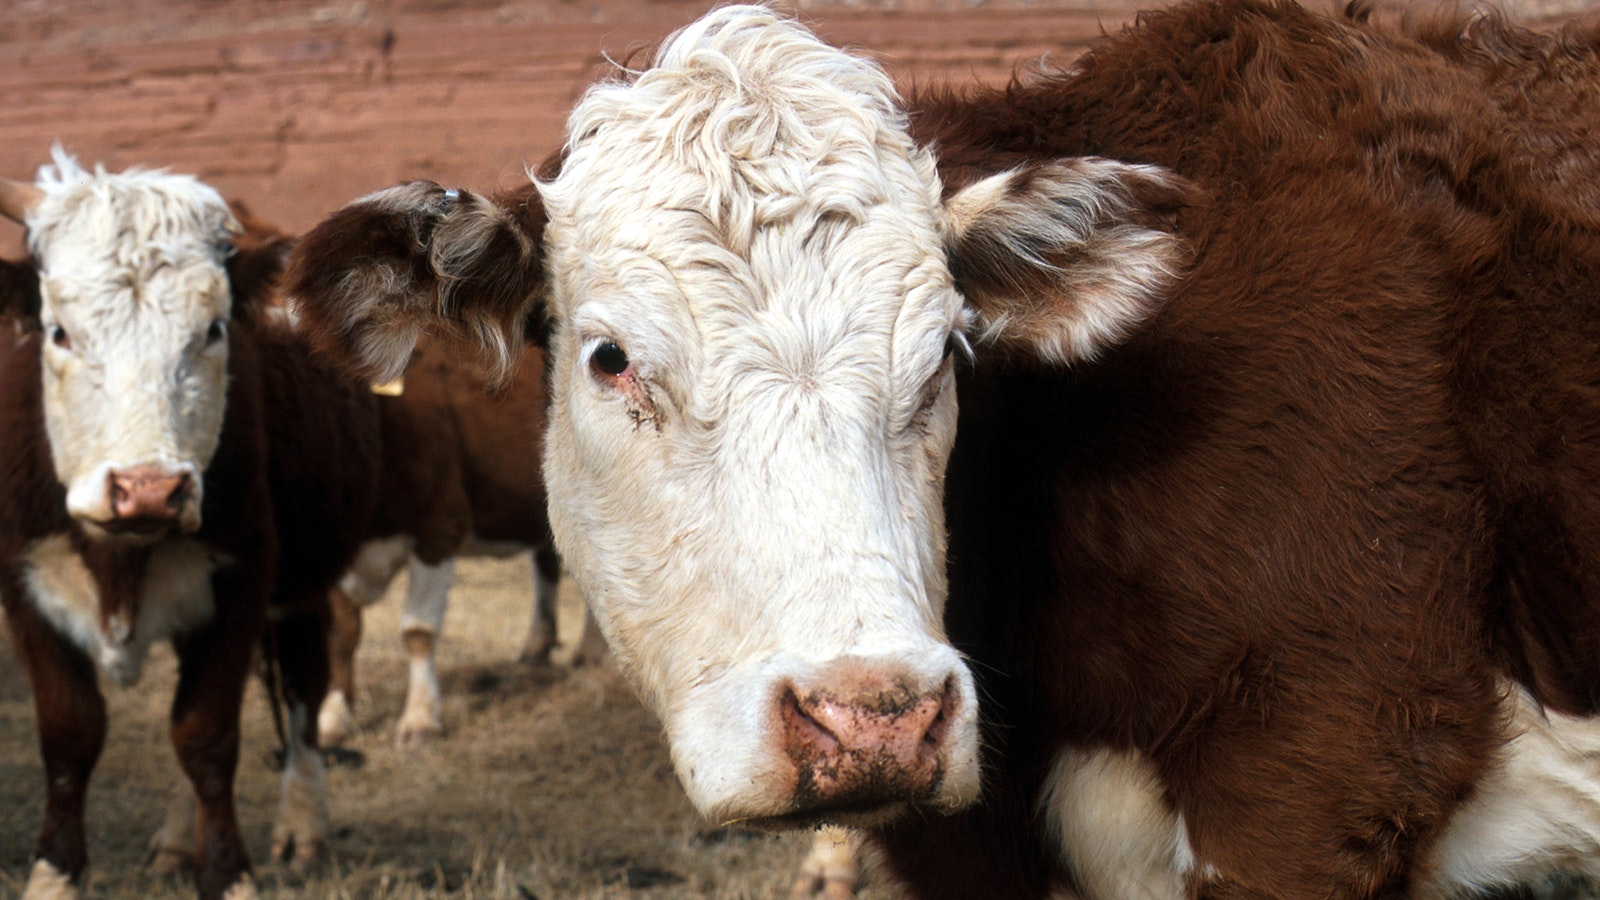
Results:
[147, 493]
[864, 745]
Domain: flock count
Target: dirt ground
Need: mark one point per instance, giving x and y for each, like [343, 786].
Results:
[551, 783]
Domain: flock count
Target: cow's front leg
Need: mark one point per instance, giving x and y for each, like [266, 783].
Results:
[214, 664]
[300, 640]
[72, 729]
[427, 597]
[336, 721]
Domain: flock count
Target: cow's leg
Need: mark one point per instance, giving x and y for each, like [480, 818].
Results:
[213, 665]
[336, 721]
[592, 648]
[172, 846]
[830, 869]
[426, 599]
[72, 728]
[542, 636]
[300, 639]
[363, 585]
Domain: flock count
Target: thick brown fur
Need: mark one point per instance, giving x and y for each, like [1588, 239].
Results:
[374, 274]
[1285, 540]
[288, 493]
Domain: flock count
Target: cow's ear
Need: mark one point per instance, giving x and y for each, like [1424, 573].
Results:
[258, 255]
[19, 294]
[1062, 259]
[380, 271]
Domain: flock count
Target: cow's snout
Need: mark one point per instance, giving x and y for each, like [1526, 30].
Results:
[862, 743]
[147, 497]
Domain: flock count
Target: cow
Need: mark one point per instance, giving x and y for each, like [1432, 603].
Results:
[1176, 475]
[171, 469]
[461, 477]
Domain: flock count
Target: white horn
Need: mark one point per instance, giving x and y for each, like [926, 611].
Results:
[18, 198]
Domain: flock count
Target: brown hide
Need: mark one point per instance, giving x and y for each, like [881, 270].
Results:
[461, 459]
[1285, 540]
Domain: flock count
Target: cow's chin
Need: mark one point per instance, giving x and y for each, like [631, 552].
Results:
[864, 815]
[137, 531]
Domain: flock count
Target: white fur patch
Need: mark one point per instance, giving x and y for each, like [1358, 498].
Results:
[1536, 814]
[1109, 815]
[175, 598]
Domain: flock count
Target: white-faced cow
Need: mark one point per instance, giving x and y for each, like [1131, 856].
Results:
[169, 470]
[1274, 516]
[461, 478]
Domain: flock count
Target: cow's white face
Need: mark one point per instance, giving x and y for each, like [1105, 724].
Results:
[753, 405]
[134, 308]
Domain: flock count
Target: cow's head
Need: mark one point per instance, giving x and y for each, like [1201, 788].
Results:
[757, 291]
[133, 304]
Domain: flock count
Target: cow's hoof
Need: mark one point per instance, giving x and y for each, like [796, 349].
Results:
[243, 889]
[336, 722]
[418, 727]
[830, 870]
[46, 882]
[536, 655]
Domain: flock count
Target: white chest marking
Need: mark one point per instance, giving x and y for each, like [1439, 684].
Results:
[174, 598]
[1114, 828]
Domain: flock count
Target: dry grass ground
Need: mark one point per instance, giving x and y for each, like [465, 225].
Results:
[551, 783]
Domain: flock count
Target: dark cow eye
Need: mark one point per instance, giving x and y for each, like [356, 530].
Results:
[216, 333]
[59, 337]
[609, 359]
[950, 346]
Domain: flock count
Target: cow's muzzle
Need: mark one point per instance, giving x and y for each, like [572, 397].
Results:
[148, 499]
[864, 749]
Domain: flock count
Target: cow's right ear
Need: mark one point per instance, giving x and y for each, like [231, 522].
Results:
[1060, 260]
[380, 271]
[19, 294]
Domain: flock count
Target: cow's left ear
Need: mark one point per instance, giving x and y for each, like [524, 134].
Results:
[19, 294]
[19, 281]
[258, 255]
[1062, 259]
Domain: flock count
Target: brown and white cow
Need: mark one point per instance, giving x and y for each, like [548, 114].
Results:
[1274, 517]
[461, 478]
[170, 470]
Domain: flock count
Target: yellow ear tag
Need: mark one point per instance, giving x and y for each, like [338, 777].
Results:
[391, 388]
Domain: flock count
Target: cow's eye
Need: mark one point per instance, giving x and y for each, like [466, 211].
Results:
[609, 359]
[216, 333]
[60, 338]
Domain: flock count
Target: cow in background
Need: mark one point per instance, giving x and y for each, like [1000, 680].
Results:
[172, 468]
[1274, 515]
[461, 478]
